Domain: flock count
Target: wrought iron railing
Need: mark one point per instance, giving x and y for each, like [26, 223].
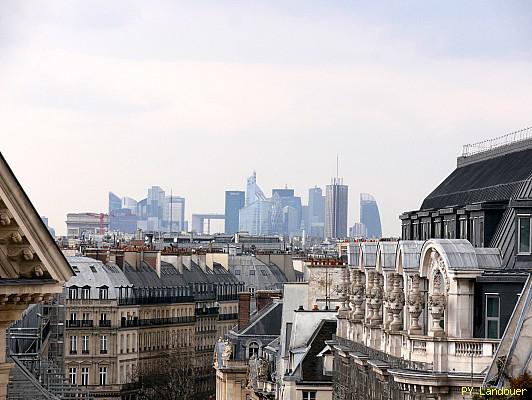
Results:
[131, 323]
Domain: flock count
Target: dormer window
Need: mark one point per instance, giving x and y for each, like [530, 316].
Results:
[86, 292]
[524, 244]
[253, 349]
[73, 293]
[104, 293]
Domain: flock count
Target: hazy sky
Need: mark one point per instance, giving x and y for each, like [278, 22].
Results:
[194, 96]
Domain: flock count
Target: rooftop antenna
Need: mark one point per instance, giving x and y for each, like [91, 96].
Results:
[171, 207]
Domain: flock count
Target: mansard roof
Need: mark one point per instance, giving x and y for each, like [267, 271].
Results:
[94, 274]
[27, 251]
[497, 178]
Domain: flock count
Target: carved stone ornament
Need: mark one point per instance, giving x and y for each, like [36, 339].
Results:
[228, 351]
[396, 302]
[375, 299]
[357, 295]
[416, 303]
[437, 264]
[437, 303]
[344, 296]
[263, 369]
[369, 286]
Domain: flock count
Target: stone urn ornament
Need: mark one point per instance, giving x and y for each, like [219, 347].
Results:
[416, 304]
[357, 296]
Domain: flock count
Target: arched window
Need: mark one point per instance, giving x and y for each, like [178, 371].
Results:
[253, 349]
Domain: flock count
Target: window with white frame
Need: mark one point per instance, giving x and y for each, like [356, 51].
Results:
[523, 234]
[73, 292]
[103, 344]
[103, 376]
[72, 373]
[73, 344]
[309, 395]
[104, 293]
[85, 344]
[85, 376]
[86, 293]
[493, 316]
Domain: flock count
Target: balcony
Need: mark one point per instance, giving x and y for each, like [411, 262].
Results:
[105, 323]
[85, 302]
[78, 323]
[131, 323]
[228, 317]
[73, 323]
[422, 353]
[207, 311]
[144, 300]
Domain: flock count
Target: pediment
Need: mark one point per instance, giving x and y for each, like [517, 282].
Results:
[27, 250]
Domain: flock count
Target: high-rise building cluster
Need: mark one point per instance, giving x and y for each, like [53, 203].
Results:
[325, 216]
[158, 212]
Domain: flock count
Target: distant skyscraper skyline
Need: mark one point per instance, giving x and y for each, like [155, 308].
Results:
[156, 212]
[336, 203]
[234, 201]
[370, 216]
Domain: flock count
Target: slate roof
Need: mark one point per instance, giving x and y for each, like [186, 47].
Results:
[495, 179]
[265, 322]
[312, 365]
[92, 273]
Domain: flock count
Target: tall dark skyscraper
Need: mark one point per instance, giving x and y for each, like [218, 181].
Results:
[336, 209]
[234, 201]
[369, 215]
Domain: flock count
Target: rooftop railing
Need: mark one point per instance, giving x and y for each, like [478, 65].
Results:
[490, 144]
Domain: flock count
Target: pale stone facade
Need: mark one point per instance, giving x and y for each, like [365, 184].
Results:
[32, 268]
[411, 324]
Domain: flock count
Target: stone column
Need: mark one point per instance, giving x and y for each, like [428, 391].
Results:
[416, 304]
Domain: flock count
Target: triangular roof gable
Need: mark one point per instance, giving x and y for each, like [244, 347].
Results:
[26, 248]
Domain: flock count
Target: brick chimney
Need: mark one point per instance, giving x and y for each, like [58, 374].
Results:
[265, 298]
[244, 299]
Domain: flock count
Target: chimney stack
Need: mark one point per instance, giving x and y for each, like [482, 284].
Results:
[244, 298]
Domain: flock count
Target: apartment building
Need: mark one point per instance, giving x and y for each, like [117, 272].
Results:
[127, 309]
